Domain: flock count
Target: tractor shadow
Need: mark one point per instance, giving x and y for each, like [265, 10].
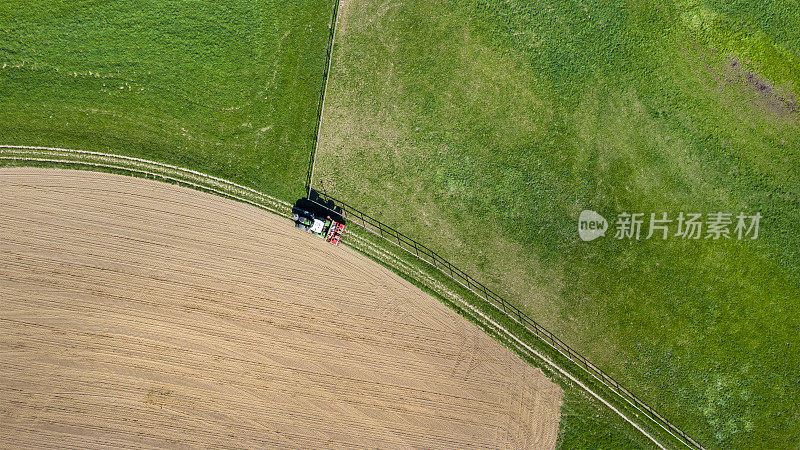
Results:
[320, 207]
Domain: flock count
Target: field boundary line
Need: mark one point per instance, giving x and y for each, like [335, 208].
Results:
[148, 174]
[150, 169]
[24, 149]
[321, 105]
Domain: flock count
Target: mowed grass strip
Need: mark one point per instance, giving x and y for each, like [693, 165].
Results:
[229, 88]
[483, 128]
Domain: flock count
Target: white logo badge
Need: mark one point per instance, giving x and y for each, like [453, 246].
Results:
[591, 225]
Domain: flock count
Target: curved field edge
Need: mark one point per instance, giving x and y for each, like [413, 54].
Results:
[49, 156]
[585, 419]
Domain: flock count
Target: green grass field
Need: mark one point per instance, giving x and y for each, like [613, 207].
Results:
[483, 128]
[230, 88]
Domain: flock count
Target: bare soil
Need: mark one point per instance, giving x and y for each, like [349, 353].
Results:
[767, 95]
[137, 313]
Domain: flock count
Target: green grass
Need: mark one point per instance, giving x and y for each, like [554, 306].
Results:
[483, 128]
[585, 424]
[230, 88]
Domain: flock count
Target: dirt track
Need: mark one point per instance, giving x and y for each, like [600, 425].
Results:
[138, 313]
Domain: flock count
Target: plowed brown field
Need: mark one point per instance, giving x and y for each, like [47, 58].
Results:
[139, 313]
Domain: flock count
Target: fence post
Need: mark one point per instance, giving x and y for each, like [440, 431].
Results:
[416, 249]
